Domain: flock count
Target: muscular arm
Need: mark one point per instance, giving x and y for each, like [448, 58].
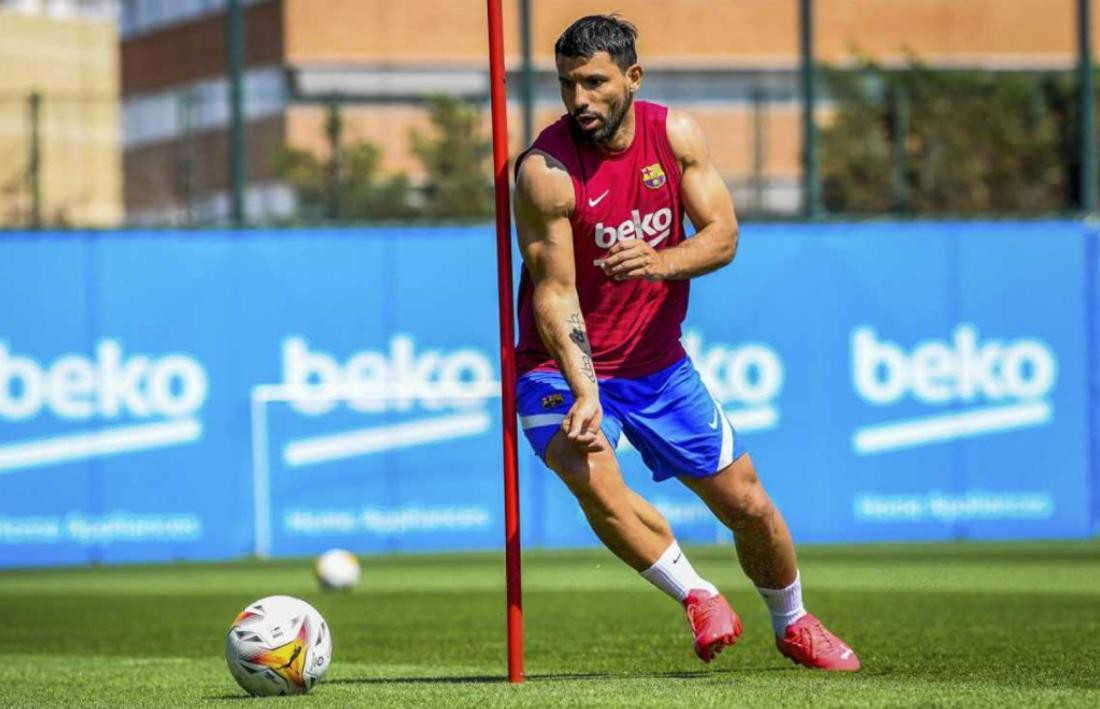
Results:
[543, 203]
[709, 205]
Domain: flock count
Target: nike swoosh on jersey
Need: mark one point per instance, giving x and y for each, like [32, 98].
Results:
[594, 202]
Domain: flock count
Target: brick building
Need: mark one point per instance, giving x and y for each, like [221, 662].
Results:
[732, 63]
[60, 158]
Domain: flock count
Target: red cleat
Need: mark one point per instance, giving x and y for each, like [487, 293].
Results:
[713, 622]
[808, 643]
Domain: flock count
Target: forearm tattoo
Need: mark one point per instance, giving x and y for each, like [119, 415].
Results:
[578, 335]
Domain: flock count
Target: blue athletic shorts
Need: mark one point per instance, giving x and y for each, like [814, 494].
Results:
[669, 416]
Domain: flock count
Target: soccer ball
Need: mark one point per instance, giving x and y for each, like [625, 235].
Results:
[278, 645]
[337, 569]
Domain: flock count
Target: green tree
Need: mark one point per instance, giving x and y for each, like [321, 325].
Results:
[974, 142]
[347, 186]
[855, 149]
[455, 157]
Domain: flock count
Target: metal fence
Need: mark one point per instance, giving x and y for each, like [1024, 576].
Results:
[914, 142]
[251, 147]
[59, 161]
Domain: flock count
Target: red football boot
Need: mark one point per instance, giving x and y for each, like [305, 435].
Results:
[808, 643]
[713, 622]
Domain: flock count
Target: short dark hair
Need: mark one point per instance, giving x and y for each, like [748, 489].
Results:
[600, 33]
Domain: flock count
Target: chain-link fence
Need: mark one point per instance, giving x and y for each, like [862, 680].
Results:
[910, 141]
[390, 122]
[59, 161]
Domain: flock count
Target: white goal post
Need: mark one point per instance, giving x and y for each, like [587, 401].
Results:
[357, 442]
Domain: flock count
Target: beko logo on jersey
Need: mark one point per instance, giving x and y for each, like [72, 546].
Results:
[447, 390]
[745, 379]
[1003, 384]
[170, 389]
[653, 227]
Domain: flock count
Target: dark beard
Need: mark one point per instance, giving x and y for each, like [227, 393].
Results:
[607, 131]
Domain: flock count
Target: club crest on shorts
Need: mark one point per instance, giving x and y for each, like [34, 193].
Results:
[552, 401]
[653, 176]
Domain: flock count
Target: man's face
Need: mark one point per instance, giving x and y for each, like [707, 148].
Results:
[597, 94]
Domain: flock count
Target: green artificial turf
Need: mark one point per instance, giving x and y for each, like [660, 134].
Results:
[935, 625]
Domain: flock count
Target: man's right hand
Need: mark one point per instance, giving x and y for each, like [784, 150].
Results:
[582, 423]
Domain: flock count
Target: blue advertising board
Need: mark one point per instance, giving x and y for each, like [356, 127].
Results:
[205, 395]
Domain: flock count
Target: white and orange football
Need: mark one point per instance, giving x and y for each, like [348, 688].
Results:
[278, 645]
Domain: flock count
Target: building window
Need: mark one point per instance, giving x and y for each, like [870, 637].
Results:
[140, 16]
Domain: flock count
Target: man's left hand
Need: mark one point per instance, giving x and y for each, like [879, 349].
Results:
[634, 258]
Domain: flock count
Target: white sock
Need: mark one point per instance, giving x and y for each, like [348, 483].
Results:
[675, 575]
[785, 604]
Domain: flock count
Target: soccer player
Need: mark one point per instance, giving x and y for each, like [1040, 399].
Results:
[600, 200]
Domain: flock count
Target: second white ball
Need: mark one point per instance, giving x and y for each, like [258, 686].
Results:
[337, 569]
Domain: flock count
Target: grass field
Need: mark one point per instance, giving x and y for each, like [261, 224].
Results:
[936, 625]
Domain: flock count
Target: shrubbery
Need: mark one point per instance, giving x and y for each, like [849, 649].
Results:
[926, 141]
[348, 184]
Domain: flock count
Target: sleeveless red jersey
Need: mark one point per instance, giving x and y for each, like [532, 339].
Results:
[633, 325]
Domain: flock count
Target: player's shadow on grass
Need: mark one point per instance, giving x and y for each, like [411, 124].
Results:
[536, 677]
[552, 677]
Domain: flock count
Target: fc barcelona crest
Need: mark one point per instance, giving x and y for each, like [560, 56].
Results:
[653, 176]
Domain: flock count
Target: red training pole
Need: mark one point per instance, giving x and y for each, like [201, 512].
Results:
[499, 94]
